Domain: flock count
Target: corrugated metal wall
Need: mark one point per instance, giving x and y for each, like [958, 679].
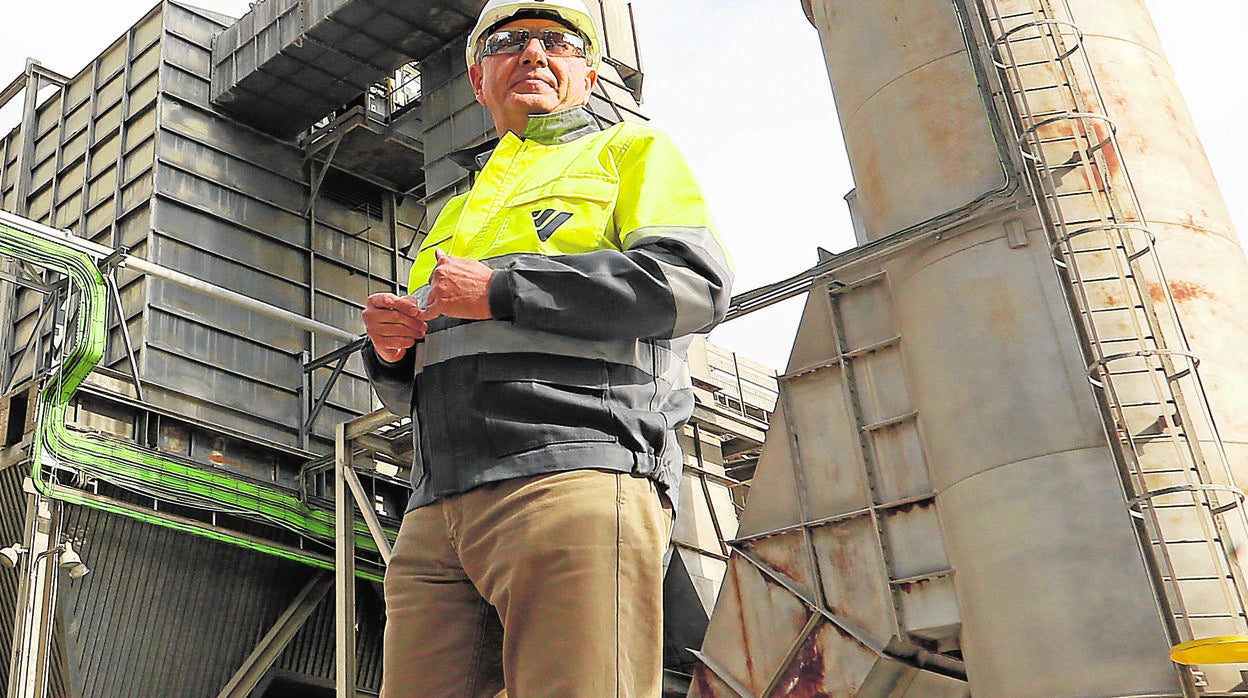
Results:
[311, 651]
[231, 207]
[63, 675]
[131, 154]
[12, 513]
[167, 614]
[92, 161]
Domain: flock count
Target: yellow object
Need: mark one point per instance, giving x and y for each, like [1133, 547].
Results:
[550, 195]
[1228, 649]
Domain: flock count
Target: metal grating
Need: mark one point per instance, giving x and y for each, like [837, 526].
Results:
[287, 63]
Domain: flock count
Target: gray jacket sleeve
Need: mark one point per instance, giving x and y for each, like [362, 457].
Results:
[670, 276]
[669, 283]
[392, 381]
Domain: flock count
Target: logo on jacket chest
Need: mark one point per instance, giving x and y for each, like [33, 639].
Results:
[548, 221]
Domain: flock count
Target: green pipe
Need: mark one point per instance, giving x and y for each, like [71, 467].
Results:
[123, 463]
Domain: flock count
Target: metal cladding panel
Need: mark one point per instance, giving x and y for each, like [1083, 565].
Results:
[841, 514]
[756, 624]
[997, 375]
[787, 555]
[163, 613]
[830, 479]
[774, 495]
[812, 345]
[854, 575]
[916, 127]
[816, 671]
[94, 159]
[232, 208]
[1049, 575]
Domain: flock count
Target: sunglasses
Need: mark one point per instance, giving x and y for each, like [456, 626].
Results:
[559, 44]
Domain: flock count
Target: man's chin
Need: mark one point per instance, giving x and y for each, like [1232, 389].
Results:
[535, 104]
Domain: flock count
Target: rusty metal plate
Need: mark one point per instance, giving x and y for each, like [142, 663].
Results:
[788, 555]
[755, 625]
[829, 458]
[830, 664]
[855, 581]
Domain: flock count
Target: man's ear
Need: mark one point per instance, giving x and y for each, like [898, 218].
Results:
[591, 79]
[477, 77]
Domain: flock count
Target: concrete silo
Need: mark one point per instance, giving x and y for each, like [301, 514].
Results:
[1012, 420]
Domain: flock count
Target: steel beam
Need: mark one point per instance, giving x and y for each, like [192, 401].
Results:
[279, 636]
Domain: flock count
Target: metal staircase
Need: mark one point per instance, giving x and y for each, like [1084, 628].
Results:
[1182, 498]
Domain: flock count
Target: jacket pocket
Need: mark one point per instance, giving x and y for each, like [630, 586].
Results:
[531, 401]
[568, 215]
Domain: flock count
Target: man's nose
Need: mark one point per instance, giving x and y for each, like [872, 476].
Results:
[535, 52]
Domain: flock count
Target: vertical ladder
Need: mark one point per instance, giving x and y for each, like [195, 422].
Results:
[1174, 469]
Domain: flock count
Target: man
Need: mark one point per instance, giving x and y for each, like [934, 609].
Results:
[546, 329]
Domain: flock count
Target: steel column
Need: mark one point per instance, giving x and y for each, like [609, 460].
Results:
[344, 567]
[36, 599]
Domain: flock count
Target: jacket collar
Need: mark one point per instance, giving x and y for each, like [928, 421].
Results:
[546, 129]
[560, 126]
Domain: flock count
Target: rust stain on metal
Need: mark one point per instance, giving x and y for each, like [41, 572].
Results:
[702, 683]
[745, 631]
[784, 555]
[807, 681]
[906, 587]
[1181, 291]
[1192, 225]
[921, 505]
[784, 568]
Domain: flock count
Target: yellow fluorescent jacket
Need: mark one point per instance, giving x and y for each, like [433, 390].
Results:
[605, 260]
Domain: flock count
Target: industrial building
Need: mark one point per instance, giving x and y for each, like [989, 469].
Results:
[1005, 456]
[190, 226]
[1002, 459]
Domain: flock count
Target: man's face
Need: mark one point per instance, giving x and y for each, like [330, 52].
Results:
[513, 86]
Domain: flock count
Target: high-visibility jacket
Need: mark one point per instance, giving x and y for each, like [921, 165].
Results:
[605, 261]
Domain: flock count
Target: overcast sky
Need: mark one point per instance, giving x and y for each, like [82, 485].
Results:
[742, 87]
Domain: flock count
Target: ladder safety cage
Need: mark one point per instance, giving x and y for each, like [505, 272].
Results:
[1177, 478]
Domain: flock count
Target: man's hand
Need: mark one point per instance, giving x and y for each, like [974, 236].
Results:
[459, 288]
[393, 324]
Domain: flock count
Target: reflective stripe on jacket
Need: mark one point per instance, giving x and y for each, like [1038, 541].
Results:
[605, 258]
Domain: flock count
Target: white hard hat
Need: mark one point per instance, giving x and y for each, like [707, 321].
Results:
[574, 12]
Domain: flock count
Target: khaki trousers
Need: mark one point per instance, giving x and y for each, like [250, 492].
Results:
[568, 564]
